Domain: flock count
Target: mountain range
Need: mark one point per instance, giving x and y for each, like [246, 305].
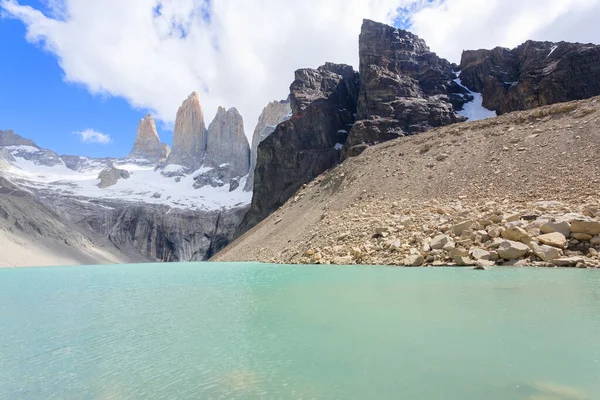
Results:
[188, 202]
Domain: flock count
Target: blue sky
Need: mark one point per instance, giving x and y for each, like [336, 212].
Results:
[38, 104]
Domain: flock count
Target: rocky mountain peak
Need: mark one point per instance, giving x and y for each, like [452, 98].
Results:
[336, 82]
[227, 143]
[10, 138]
[533, 74]
[404, 87]
[147, 144]
[272, 115]
[190, 134]
[401, 40]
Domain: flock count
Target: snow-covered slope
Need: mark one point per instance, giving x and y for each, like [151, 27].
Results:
[147, 184]
[474, 110]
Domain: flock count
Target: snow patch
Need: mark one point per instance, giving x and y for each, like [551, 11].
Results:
[474, 110]
[338, 146]
[23, 149]
[143, 184]
[552, 50]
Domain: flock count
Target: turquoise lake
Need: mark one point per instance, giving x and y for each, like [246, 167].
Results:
[257, 331]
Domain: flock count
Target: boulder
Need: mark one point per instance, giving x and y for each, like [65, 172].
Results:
[458, 229]
[567, 261]
[557, 226]
[110, 176]
[516, 234]
[546, 253]
[480, 254]
[555, 239]
[582, 236]
[414, 260]
[588, 226]
[441, 242]
[510, 250]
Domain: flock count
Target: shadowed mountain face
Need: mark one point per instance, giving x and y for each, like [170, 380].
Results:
[273, 114]
[533, 74]
[404, 87]
[323, 103]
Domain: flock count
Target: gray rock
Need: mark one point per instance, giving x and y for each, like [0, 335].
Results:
[147, 144]
[273, 114]
[111, 176]
[10, 138]
[190, 135]
[227, 143]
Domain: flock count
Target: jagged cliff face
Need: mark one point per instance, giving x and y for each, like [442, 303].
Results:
[404, 87]
[323, 103]
[190, 135]
[273, 114]
[147, 144]
[227, 143]
[533, 74]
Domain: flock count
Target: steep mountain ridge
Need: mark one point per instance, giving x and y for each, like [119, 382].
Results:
[323, 103]
[533, 74]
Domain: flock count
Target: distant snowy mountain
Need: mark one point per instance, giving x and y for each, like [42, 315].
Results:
[78, 178]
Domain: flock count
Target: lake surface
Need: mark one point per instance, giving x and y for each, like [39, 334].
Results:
[252, 331]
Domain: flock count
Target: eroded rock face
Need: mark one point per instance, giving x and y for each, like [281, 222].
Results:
[533, 74]
[227, 143]
[190, 135]
[147, 144]
[323, 103]
[273, 114]
[110, 176]
[168, 235]
[404, 87]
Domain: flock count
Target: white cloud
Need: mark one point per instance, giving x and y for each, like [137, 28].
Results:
[89, 136]
[454, 25]
[245, 56]
[155, 52]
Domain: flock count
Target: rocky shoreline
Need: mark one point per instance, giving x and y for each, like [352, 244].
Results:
[480, 234]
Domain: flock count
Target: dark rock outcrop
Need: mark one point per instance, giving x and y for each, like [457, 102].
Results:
[169, 235]
[147, 144]
[323, 103]
[273, 114]
[533, 74]
[227, 143]
[110, 176]
[404, 87]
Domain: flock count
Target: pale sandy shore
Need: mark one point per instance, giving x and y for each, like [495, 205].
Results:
[20, 251]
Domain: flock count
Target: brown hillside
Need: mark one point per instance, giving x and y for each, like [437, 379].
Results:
[385, 206]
